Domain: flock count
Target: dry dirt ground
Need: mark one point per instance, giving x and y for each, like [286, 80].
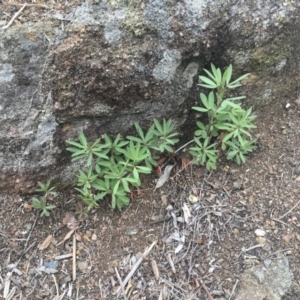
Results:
[196, 256]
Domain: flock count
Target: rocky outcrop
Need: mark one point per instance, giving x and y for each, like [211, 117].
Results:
[269, 281]
[116, 63]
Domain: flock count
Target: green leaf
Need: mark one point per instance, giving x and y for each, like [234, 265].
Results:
[76, 151]
[243, 159]
[204, 100]
[209, 74]
[228, 136]
[158, 126]
[233, 86]
[49, 207]
[217, 74]
[45, 213]
[239, 79]
[209, 82]
[89, 160]
[235, 98]
[125, 184]
[227, 75]
[211, 100]
[82, 139]
[77, 145]
[115, 188]
[232, 154]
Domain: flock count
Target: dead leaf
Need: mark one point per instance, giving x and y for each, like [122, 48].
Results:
[67, 236]
[199, 172]
[164, 200]
[164, 177]
[70, 220]
[185, 162]
[158, 171]
[46, 242]
[78, 237]
[180, 246]
[186, 213]
[161, 161]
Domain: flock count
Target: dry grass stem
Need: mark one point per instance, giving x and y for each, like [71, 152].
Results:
[14, 17]
[209, 295]
[74, 258]
[38, 5]
[170, 261]
[289, 210]
[155, 269]
[137, 264]
[121, 283]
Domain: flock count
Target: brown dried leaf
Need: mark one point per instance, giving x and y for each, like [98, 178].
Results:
[161, 161]
[199, 172]
[78, 237]
[185, 162]
[70, 220]
[164, 177]
[46, 242]
[164, 200]
[158, 171]
[67, 236]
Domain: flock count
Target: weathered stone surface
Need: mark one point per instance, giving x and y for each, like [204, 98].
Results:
[270, 281]
[117, 63]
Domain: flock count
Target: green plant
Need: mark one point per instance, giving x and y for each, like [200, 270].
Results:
[226, 120]
[114, 166]
[41, 204]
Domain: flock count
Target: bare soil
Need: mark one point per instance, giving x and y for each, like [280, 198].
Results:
[218, 241]
[214, 245]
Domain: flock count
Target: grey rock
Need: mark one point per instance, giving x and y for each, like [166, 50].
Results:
[113, 64]
[271, 281]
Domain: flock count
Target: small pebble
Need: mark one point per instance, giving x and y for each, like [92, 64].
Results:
[286, 239]
[193, 199]
[261, 240]
[260, 232]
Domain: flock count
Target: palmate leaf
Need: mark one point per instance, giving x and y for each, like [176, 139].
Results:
[201, 109]
[217, 74]
[204, 100]
[237, 81]
[158, 126]
[227, 75]
[77, 145]
[82, 139]
[208, 81]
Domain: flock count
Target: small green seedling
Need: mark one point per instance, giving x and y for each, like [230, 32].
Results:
[41, 204]
[226, 120]
[114, 166]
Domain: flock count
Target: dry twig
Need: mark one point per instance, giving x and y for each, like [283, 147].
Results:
[14, 17]
[233, 289]
[74, 258]
[56, 286]
[137, 264]
[170, 261]
[38, 5]
[289, 210]
[155, 269]
[121, 283]
[209, 295]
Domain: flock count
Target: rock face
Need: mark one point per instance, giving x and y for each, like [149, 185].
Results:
[271, 281]
[116, 63]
